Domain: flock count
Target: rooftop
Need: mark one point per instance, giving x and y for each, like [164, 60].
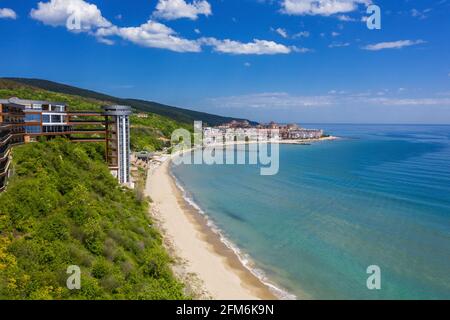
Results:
[117, 110]
[16, 100]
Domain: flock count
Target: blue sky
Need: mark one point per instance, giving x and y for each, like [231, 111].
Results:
[285, 60]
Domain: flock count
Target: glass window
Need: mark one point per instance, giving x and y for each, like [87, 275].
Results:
[33, 129]
[33, 118]
[46, 118]
[56, 118]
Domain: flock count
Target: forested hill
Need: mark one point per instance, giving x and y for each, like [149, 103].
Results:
[62, 207]
[177, 114]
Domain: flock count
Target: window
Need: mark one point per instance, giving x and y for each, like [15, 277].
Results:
[56, 118]
[56, 129]
[32, 117]
[46, 118]
[33, 129]
[58, 108]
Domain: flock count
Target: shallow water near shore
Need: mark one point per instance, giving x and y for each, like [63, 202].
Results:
[379, 196]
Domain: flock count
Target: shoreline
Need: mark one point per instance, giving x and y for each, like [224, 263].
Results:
[292, 141]
[244, 260]
[208, 267]
[208, 264]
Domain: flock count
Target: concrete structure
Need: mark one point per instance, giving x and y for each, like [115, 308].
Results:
[24, 121]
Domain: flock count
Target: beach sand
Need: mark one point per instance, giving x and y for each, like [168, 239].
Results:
[210, 269]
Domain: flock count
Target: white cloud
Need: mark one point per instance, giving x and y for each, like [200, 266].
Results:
[301, 49]
[286, 101]
[271, 100]
[339, 44]
[156, 35]
[335, 34]
[320, 7]
[176, 9]
[420, 14]
[346, 18]
[106, 41]
[411, 102]
[152, 35]
[282, 32]
[57, 12]
[392, 45]
[7, 13]
[301, 34]
[257, 47]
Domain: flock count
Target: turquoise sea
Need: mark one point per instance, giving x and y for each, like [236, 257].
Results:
[379, 196]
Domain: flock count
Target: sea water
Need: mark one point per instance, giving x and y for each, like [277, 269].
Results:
[380, 196]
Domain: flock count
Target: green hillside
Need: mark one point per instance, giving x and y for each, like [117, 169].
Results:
[174, 113]
[63, 207]
[10, 89]
[152, 133]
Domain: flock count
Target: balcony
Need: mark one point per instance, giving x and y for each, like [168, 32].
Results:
[88, 139]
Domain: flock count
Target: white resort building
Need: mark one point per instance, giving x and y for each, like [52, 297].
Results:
[243, 131]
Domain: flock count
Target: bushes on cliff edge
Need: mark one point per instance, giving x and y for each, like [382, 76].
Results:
[62, 207]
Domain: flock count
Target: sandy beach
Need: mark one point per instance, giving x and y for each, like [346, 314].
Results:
[210, 269]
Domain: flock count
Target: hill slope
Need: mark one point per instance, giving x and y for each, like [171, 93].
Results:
[178, 114]
[62, 208]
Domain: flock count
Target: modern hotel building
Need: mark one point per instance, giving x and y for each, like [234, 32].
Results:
[23, 121]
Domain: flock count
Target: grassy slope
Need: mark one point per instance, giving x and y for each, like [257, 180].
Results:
[62, 207]
[153, 133]
[177, 114]
[146, 134]
[10, 89]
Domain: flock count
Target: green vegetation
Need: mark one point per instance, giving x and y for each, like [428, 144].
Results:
[62, 207]
[10, 89]
[154, 132]
[178, 114]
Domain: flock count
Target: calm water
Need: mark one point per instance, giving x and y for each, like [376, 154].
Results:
[380, 196]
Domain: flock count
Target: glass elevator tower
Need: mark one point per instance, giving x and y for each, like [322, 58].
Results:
[118, 141]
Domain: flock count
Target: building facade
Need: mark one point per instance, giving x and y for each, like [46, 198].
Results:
[271, 132]
[24, 121]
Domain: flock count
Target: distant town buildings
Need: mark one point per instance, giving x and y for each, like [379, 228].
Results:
[23, 121]
[271, 132]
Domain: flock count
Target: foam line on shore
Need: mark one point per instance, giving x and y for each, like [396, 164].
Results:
[244, 259]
